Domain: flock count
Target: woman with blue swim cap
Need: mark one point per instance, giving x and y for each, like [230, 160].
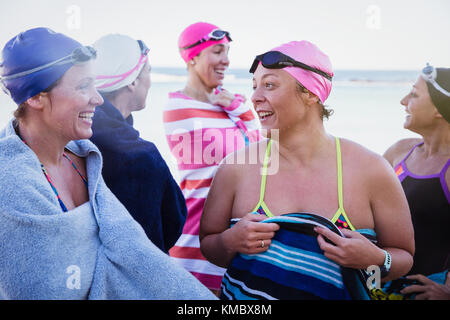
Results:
[49, 76]
[64, 234]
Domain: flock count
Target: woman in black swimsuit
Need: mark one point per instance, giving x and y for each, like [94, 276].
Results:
[422, 167]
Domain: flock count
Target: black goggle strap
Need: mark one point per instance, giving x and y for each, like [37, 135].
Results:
[284, 61]
[79, 55]
[319, 72]
[255, 63]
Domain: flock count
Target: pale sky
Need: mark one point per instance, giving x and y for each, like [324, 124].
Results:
[356, 34]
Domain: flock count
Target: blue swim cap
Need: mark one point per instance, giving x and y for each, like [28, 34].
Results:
[32, 49]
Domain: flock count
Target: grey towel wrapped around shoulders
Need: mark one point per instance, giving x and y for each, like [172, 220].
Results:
[95, 251]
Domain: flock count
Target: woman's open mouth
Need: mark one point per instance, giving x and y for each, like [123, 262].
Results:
[264, 115]
[86, 116]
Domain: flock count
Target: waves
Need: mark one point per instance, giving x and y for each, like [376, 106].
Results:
[341, 77]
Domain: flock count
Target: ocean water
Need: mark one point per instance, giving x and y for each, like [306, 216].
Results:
[366, 106]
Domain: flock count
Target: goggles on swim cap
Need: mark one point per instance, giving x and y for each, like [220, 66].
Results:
[429, 74]
[144, 49]
[278, 60]
[214, 35]
[79, 55]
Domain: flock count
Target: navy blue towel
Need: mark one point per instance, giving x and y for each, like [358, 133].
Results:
[139, 177]
[293, 268]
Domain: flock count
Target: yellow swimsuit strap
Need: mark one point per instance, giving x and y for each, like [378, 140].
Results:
[263, 183]
[341, 210]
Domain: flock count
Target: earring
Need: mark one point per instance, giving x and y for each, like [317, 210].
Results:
[192, 62]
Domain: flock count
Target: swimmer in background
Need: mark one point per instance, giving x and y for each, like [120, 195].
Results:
[204, 114]
[422, 167]
[133, 167]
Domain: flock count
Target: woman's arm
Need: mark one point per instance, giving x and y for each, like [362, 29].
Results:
[216, 217]
[392, 218]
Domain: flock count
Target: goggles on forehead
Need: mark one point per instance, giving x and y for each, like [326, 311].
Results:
[429, 74]
[214, 35]
[79, 55]
[278, 60]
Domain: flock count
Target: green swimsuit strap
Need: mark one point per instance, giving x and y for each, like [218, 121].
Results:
[264, 172]
[339, 173]
[341, 209]
[263, 182]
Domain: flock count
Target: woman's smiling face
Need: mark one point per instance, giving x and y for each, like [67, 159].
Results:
[276, 99]
[71, 104]
[420, 110]
[211, 64]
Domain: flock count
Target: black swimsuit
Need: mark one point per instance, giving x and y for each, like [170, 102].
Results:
[429, 201]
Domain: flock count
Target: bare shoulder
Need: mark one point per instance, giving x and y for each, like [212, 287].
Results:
[373, 171]
[395, 153]
[357, 153]
[367, 162]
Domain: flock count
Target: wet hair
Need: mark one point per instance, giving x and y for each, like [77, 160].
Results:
[326, 111]
[19, 113]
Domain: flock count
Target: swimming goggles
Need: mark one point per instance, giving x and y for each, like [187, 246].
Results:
[214, 35]
[79, 55]
[119, 77]
[278, 60]
[144, 49]
[429, 74]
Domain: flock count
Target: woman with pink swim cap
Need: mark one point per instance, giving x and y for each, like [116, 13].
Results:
[316, 176]
[203, 124]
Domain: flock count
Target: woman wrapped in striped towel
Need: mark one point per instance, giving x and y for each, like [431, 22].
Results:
[203, 124]
[304, 231]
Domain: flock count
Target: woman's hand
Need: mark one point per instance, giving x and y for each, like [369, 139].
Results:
[249, 235]
[429, 290]
[353, 251]
[224, 98]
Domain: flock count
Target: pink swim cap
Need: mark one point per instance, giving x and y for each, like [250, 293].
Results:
[193, 33]
[310, 54]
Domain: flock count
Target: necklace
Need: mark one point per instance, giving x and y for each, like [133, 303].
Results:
[47, 176]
